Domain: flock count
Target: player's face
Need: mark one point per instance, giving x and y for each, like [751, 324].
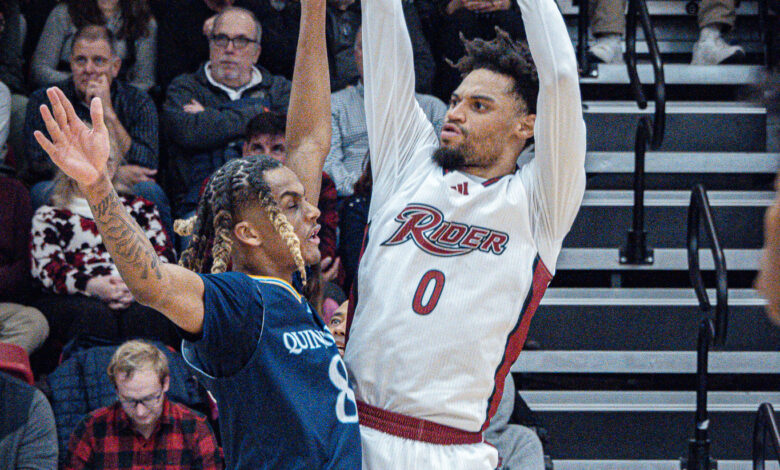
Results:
[142, 395]
[481, 128]
[287, 191]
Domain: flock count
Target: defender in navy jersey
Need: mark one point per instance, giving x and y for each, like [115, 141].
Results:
[283, 367]
[282, 389]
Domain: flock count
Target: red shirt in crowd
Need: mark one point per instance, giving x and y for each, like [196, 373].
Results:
[106, 439]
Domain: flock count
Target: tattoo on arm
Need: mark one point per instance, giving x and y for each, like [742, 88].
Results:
[124, 239]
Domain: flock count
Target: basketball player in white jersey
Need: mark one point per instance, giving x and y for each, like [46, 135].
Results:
[461, 244]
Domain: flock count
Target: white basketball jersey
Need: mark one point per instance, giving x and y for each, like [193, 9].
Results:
[453, 266]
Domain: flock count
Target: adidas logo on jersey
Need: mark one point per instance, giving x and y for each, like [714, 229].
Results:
[462, 188]
[425, 225]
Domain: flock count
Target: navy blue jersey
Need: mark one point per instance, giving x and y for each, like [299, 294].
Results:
[281, 387]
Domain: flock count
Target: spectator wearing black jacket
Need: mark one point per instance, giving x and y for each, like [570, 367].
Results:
[207, 111]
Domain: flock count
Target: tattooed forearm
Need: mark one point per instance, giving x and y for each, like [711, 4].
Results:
[132, 252]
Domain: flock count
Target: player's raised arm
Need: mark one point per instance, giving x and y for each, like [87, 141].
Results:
[308, 117]
[558, 169]
[394, 120]
[82, 154]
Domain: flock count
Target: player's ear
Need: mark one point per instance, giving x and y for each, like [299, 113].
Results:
[525, 126]
[246, 233]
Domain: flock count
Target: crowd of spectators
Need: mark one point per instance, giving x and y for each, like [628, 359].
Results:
[187, 85]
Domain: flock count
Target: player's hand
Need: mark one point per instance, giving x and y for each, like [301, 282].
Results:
[330, 268]
[78, 151]
[768, 281]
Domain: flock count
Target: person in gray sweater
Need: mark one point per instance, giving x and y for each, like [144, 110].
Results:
[28, 437]
[129, 20]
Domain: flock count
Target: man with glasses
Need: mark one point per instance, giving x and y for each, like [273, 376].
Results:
[142, 429]
[207, 111]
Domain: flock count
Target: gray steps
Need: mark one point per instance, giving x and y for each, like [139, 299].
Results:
[644, 362]
[690, 126]
[606, 215]
[677, 74]
[643, 321]
[560, 464]
[618, 425]
[685, 162]
[664, 8]
[666, 259]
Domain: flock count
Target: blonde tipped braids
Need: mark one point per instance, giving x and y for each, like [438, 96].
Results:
[285, 230]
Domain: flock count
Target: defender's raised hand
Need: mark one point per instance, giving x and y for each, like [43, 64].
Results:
[76, 149]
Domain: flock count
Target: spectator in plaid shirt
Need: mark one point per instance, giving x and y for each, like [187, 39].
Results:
[142, 429]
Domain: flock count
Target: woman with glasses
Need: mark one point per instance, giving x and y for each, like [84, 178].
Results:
[131, 23]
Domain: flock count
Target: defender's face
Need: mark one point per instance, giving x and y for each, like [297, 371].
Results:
[287, 191]
[482, 118]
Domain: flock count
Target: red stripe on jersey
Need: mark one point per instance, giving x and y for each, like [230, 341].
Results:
[353, 295]
[490, 181]
[516, 339]
[415, 429]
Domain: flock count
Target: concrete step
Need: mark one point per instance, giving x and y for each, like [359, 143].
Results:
[606, 216]
[645, 362]
[690, 126]
[664, 8]
[685, 162]
[649, 465]
[639, 320]
[643, 425]
[665, 259]
[677, 74]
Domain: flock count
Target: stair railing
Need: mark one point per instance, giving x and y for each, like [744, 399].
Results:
[767, 32]
[765, 428]
[587, 68]
[636, 250]
[700, 212]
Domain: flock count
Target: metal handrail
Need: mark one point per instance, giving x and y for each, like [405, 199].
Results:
[765, 427]
[699, 206]
[587, 68]
[637, 12]
[699, 210]
[636, 250]
[767, 32]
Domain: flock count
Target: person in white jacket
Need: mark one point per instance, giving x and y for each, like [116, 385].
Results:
[461, 244]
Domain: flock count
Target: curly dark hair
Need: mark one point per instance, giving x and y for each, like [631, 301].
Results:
[505, 56]
[235, 185]
[136, 16]
[267, 122]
